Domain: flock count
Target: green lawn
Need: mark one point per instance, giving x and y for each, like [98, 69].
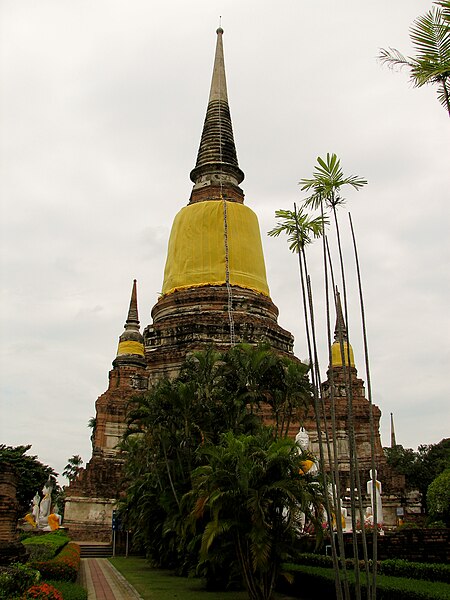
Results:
[154, 584]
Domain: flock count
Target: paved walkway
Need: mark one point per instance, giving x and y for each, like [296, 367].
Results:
[104, 582]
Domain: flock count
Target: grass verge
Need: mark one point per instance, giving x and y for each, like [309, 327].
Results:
[155, 584]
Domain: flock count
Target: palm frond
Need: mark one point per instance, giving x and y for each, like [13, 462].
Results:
[299, 227]
[326, 183]
[430, 36]
[394, 58]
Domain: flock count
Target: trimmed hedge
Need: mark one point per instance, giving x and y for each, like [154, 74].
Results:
[64, 567]
[320, 582]
[396, 567]
[44, 547]
[415, 570]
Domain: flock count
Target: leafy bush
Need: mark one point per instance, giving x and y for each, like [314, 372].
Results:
[15, 579]
[395, 567]
[409, 525]
[43, 591]
[64, 567]
[318, 560]
[415, 570]
[435, 524]
[69, 590]
[319, 581]
[53, 542]
[40, 551]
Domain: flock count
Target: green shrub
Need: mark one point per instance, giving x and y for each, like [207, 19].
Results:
[317, 560]
[395, 567]
[44, 547]
[409, 525]
[16, 579]
[435, 524]
[69, 590]
[40, 551]
[320, 582]
[415, 570]
[64, 567]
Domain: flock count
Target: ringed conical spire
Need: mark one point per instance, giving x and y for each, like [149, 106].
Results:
[393, 442]
[340, 335]
[217, 163]
[131, 342]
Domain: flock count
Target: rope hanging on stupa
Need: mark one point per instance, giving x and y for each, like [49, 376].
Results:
[225, 231]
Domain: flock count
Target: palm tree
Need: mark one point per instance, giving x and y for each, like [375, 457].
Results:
[430, 36]
[73, 467]
[301, 229]
[326, 186]
[92, 424]
[251, 491]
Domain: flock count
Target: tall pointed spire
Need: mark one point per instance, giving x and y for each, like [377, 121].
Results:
[131, 342]
[340, 335]
[393, 442]
[217, 165]
[340, 329]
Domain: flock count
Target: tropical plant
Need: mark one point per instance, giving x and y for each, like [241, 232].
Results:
[299, 226]
[31, 473]
[168, 427]
[251, 491]
[73, 467]
[326, 183]
[430, 37]
[326, 193]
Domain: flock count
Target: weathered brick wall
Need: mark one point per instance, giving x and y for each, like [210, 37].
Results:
[417, 545]
[8, 503]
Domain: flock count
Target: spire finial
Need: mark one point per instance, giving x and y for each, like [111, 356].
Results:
[393, 442]
[217, 161]
[133, 317]
[340, 330]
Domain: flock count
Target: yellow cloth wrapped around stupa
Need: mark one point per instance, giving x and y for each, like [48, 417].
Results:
[336, 356]
[197, 253]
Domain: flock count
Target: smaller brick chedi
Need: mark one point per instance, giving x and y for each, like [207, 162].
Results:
[342, 381]
[214, 292]
[91, 497]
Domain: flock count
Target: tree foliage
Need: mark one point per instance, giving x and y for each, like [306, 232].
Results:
[430, 37]
[174, 430]
[73, 467]
[299, 226]
[31, 473]
[327, 181]
[438, 497]
[252, 490]
[420, 467]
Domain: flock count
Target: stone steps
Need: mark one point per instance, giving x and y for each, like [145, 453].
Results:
[96, 550]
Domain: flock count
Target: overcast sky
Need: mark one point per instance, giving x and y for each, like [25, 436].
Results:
[101, 109]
